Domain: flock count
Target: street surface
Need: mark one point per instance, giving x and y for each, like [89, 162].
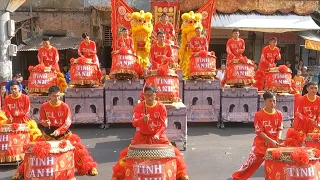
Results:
[212, 154]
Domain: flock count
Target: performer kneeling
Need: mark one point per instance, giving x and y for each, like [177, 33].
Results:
[55, 119]
[268, 127]
[150, 118]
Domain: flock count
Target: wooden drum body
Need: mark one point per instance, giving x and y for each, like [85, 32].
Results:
[84, 72]
[287, 164]
[57, 165]
[40, 80]
[278, 81]
[125, 66]
[155, 161]
[167, 85]
[13, 137]
[203, 67]
[240, 73]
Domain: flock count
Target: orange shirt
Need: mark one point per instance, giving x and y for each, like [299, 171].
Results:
[17, 108]
[299, 82]
[198, 43]
[166, 28]
[235, 48]
[125, 42]
[59, 116]
[268, 123]
[49, 57]
[157, 122]
[270, 55]
[88, 50]
[156, 53]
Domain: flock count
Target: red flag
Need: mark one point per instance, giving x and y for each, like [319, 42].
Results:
[207, 10]
[120, 18]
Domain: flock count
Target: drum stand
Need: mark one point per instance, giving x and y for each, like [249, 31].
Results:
[17, 163]
[124, 76]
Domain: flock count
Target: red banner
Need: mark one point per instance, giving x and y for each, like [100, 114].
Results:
[120, 18]
[207, 11]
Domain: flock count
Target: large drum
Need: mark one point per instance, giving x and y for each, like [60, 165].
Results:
[57, 163]
[167, 85]
[240, 73]
[155, 161]
[12, 139]
[203, 66]
[291, 164]
[84, 72]
[313, 140]
[278, 79]
[125, 66]
[41, 78]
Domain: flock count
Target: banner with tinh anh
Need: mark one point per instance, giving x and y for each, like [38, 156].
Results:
[170, 7]
[120, 18]
[207, 10]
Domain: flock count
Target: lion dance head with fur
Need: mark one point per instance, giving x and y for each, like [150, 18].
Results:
[142, 28]
[190, 21]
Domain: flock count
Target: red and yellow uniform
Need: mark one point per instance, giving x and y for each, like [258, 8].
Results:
[269, 54]
[89, 50]
[126, 43]
[264, 122]
[198, 44]
[235, 48]
[160, 55]
[307, 111]
[49, 57]
[167, 28]
[17, 108]
[299, 82]
[156, 125]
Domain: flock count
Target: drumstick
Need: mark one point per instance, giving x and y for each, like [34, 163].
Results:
[48, 121]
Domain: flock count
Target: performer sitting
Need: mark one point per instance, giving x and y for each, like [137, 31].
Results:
[165, 26]
[150, 119]
[235, 46]
[16, 105]
[48, 55]
[88, 49]
[55, 119]
[198, 43]
[160, 53]
[268, 127]
[307, 117]
[125, 41]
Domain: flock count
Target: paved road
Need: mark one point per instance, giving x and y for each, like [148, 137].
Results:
[212, 154]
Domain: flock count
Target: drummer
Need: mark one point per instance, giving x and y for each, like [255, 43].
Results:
[198, 43]
[88, 49]
[55, 119]
[125, 41]
[160, 53]
[150, 119]
[48, 55]
[307, 117]
[271, 52]
[235, 46]
[16, 105]
[165, 26]
[268, 128]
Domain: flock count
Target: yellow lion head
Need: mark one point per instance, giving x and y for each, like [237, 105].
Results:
[190, 21]
[141, 21]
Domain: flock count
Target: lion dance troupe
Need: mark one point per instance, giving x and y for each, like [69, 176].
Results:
[48, 149]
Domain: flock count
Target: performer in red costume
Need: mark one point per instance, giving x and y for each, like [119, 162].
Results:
[125, 41]
[307, 117]
[160, 52]
[150, 119]
[16, 105]
[198, 43]
[55, 120]
[48, 55]
[88, 49]
[235, 46]
[268, 128]
[165, 26]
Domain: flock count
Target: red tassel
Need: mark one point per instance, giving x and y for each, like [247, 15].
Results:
[123, 51]
[283, 69]
[276, 154]
[203, 54]
[293, 138]
[181, 165]
[264, 65]
[300, 156]
[41, 149]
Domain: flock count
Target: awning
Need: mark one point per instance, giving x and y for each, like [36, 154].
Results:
[312, 39]
[19, 17]
[61, 43]
[277, 23]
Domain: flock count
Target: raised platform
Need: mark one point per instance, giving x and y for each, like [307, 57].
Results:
[86, 105]
[202, 99]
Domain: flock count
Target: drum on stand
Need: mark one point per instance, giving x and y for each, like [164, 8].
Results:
[41, 79]
[156, 161]
[125, 66]
[203, 67]
[278, 79]
[84, 72]
[240, 74]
